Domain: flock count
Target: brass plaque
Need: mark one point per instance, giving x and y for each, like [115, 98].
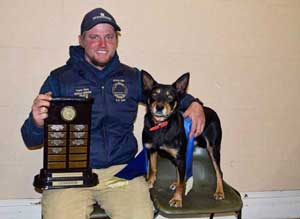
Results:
[57, 158]
[78, 150]
[57, 127]
[57, 135]
[57, 142]
[56, 150]
[56, 165]
[78, 134]
[78, 142]
[78, 157]
[78, 128]
[81, 164]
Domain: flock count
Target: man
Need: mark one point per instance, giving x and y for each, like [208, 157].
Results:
[94, 70]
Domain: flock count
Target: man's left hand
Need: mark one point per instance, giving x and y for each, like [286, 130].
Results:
[196, 113]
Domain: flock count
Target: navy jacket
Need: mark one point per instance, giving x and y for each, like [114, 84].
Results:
[116, 90]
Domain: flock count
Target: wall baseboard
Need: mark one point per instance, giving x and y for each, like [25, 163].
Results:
[20, 208]
[271, 205]
[257, 205]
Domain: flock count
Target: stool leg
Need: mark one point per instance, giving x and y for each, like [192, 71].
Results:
[211, 216]
[155, 213]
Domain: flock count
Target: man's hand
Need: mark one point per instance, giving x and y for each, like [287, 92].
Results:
[40, 108]
[196, 113]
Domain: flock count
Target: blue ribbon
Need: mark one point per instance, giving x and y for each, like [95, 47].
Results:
[189, 149]
[137, 166]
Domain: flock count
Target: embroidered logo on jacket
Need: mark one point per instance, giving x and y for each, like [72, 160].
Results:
[119, 90]
[82, 92]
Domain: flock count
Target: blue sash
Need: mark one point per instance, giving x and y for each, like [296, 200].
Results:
[137, 166]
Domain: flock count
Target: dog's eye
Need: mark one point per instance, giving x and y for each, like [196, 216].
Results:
[154, 95]
[170, 98]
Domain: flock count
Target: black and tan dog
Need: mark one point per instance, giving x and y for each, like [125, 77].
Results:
[164, 133]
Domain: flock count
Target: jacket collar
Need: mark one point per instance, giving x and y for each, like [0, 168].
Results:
[77, 60]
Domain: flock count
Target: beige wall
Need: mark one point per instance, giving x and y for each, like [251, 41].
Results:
[244, 59]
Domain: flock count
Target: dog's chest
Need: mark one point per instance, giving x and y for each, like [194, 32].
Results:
[163, 148]
[165, 140]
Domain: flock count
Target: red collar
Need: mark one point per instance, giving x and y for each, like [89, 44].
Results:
[158, 126]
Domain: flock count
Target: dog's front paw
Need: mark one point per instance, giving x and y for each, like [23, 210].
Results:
[219, 195]
[176, 203]
[176, 200]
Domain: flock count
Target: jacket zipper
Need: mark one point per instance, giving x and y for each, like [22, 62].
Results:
[104, 127]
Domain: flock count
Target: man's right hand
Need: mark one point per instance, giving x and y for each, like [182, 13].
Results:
[40, 108]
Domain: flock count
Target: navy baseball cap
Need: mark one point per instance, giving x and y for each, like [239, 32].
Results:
[98, 16]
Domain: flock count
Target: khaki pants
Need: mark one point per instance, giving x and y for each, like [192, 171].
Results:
[130, 201]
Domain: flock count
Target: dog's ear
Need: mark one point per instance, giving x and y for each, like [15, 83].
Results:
[148, 81]
[182, 83]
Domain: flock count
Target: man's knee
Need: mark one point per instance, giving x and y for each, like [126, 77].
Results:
[128, 202]
[66, 203]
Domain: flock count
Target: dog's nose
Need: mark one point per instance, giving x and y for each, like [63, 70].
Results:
[159, 107]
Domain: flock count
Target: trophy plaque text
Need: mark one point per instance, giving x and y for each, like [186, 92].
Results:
[66, 145]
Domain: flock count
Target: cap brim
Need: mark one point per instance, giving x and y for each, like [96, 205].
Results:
[115, 26]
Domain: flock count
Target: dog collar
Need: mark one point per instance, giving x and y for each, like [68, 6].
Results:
[158, 126]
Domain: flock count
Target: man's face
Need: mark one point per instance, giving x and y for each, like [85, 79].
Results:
[100, 44]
